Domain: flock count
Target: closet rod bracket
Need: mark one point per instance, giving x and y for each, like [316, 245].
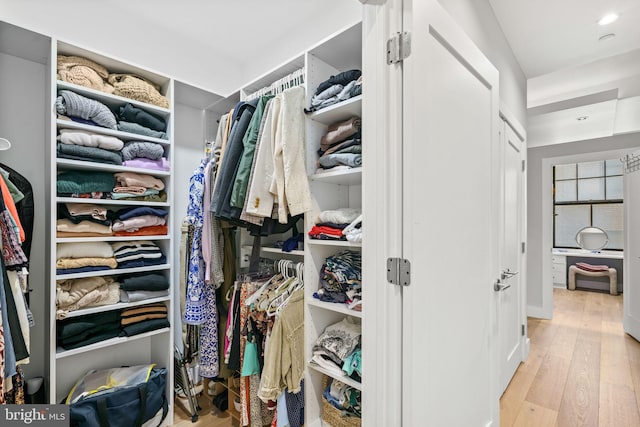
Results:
[399, 271]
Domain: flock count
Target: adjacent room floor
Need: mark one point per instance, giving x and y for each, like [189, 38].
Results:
[583, 370]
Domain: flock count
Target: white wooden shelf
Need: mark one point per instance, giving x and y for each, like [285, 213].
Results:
[345, 379]
[110, 239]
[112, 307]
[109, 202]
[339, 112]
[340, 177]
[66, 164]
[334, 306]
[125, 136]
[113, 272]
[337, 243]
[62, 353]
[281, 252]
[112, 101]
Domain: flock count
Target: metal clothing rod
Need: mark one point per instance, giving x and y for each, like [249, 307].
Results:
[291, 80]
[631, 162]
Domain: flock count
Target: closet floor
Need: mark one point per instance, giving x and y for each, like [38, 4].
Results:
[209, 416]
[582, 368]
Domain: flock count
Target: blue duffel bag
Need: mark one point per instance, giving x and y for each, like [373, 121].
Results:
[121, 397]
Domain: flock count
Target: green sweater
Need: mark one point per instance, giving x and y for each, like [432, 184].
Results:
[249, 140]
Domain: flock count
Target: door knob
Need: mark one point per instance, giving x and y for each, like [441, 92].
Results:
[506, 274]
[498, 286]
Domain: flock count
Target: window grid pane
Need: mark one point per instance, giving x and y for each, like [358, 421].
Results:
[614, 188]
[613, 167]
[566, 191]
[610, 217]
[566, 171]
[591, 189]
[569, 220]
[591, 169]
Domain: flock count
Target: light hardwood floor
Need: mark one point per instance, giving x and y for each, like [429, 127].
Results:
[209, 416]
[582, 370]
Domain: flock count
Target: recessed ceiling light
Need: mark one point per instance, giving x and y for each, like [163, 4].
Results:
[608, 19]
[581, 118]
[607, 37]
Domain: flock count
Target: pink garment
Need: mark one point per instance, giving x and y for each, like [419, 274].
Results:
[160, 164]
[131, 179]
[130, 190]
[137, 222]
[589, 267]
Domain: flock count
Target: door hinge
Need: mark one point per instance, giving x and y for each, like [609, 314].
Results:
[398, 271]
[523, 246]
[523, 330]
[524, 165]
[398, 47]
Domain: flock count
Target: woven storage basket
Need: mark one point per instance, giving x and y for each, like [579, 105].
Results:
[332, 416]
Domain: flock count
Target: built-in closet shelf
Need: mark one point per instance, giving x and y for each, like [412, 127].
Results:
[112, 101]
[338, 112]
[341, 177]
[113, 272]
[281, 252]
[334, 306]
[110, 239]
[62, 353]
[109, 202]
[338, 243]
[64, 164]
[345, 379]
[125, 136]
[112, 307]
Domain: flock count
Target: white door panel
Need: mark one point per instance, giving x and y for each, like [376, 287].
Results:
[450, 224]
[631, 255]
[510, 318]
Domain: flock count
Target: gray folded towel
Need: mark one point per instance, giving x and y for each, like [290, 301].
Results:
[71, 104]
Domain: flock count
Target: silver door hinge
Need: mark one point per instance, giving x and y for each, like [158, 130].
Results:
[523, 330]
[523, 246]
[524, 163]
[398, 47]
[398, 271]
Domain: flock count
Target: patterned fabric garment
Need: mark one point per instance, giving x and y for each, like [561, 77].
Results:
[16, 395]
[11, 250]
[340, 339]
[295, 407]
[244, 386]
[342, 271]
[209, 363]
[195, 305]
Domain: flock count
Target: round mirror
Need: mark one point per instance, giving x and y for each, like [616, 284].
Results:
[592, 238]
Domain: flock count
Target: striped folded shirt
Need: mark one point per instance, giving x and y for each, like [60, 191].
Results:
[130, 251]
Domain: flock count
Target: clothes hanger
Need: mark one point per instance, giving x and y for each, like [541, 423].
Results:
[5, 144]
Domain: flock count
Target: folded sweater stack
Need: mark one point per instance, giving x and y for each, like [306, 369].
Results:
[144, 155]
[92, 328]
[130, 185]
[83, 220]
[87, 73]
[136, 120]
[142, 286]
[85, 184]
[331, 224]
[137, 254]
[84, 257]
[137, 320]
[336, 349]
[76, 294]
[341, 147]
[335, 89]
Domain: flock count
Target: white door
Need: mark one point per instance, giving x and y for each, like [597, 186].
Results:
[451, 184]
[509, 292]
[631, 271]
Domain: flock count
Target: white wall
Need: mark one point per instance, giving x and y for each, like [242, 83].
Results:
[22, 100]
[537, 230]
[477, 19]
[189, 150]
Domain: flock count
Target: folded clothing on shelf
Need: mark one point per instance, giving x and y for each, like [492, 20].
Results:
[126, 213]
[331, 223]
[337, 88]
[343, 397]
[138, 89]
[160, 164]
[134, 315]
[135, 250]
[148, 150]
[338, 350]
[144, 282]
[84, 182]
[152, 230]
[84, 72]
[65, 265]
[84, 330]
[65, 227]
[75, 294]
[72, 104]
[88, 139]
[132, 179]
[83, 250]
[65, 213]
[135, 296]
[131, 114]
[130, 127]
[88, 154]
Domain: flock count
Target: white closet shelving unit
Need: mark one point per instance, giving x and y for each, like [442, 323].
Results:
[66, 366]
[330, 190]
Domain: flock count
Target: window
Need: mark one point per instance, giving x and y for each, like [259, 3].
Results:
[588, 195]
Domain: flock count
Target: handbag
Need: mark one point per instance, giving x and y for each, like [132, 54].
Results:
[131, 402]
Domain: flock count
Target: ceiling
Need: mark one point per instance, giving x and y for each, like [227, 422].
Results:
[549, 35]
